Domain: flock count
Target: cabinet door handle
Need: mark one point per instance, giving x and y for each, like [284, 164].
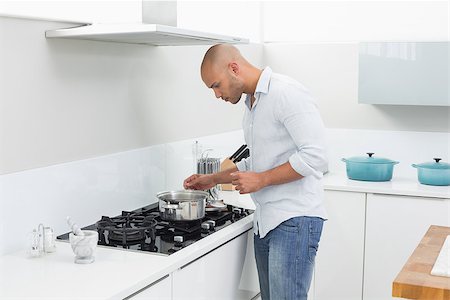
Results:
[408, 196]
[146, 287]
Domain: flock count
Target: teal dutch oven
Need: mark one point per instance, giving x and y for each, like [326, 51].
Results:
[369, 168]
[434, 172]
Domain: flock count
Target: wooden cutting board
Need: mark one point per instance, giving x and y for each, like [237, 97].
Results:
[415, 281]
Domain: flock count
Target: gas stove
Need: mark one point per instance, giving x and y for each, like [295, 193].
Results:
[144, 230]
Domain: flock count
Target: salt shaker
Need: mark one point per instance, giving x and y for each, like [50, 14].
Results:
[49, 240]
[34, 249]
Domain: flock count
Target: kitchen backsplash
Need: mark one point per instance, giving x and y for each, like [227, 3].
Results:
[106, 185]
[85, 190]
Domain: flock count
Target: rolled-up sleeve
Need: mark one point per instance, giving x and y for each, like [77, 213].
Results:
[299, 114]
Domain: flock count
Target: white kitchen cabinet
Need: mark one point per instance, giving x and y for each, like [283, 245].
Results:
[339, 261]
[417, 74]
[158, 290]
[228, 272]
[394, 227]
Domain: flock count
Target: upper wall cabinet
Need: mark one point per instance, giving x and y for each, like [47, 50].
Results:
[404, 73]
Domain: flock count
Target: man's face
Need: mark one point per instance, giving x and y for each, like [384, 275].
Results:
[225, 83]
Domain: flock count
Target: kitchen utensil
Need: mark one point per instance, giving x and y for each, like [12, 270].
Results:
[84, 246]
[74, 227]
[209, 165]
[187, 205]
[369, 168]
[238, 151]
[433, 173]
[243, 155]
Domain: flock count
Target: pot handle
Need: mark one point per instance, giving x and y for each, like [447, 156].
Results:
[414, 165]
[343, 159]
[396, 162]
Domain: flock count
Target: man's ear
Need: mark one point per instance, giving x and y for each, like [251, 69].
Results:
[234, 68]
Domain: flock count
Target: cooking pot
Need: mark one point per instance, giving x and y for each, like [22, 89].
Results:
[187, 205]
[433, 173]
[369, 168]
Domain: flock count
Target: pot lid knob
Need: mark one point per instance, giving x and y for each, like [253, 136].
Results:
[437, 159]
[370, 154]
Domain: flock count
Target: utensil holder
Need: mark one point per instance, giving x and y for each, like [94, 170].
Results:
[226, 165]
[210, 165]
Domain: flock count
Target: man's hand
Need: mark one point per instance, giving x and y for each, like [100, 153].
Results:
[248, 182]
[199, 182]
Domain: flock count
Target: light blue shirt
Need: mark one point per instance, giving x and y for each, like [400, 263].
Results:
[284, 125]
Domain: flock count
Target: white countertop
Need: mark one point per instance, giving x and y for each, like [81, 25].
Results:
[397, 186]
[56, 276]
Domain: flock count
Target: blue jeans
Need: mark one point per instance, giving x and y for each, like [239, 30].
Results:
[285, 258]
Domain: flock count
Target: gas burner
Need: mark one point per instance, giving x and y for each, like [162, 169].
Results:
[221, 218]
[130, 236]
[127, 229]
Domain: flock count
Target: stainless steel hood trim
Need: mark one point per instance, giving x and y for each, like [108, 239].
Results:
[140, 33]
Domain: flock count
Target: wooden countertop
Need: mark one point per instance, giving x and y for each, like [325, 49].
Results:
[415, 281]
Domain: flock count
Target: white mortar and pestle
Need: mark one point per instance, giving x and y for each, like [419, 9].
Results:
[83, 242]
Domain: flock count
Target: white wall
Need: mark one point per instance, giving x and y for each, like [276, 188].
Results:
[237, 18]
[350, 21]
[97, 11]
[65, 100]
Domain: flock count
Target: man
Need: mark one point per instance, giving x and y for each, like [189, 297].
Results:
[285, 135]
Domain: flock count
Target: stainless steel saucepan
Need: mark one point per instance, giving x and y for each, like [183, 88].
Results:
[187, 205]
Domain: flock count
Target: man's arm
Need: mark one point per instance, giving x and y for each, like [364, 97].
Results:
[224, 176]
[249, 182]
[207, 181]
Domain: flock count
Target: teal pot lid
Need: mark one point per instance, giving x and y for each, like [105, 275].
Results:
[370, 159]
[435, 165]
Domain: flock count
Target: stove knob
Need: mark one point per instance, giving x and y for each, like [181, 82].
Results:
[237, 211]
[212, 223]
[178, 239]
[206, 226]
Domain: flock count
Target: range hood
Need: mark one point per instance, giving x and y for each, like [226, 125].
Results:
[158, 27]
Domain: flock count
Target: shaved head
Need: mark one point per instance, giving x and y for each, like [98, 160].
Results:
[220, 55]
